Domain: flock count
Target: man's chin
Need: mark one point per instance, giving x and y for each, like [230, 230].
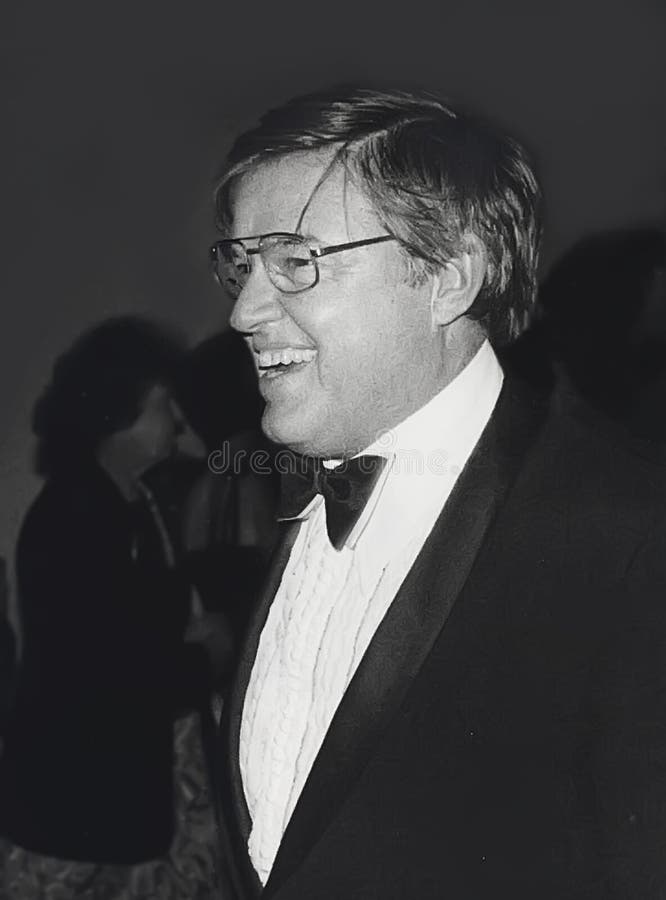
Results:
[291, 432]
[284, 437]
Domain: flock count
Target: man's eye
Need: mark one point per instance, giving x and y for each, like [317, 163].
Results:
[296, 262]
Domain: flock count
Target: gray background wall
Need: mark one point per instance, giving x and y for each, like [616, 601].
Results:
[115, 117]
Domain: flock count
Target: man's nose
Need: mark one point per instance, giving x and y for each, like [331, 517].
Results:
[257, 304]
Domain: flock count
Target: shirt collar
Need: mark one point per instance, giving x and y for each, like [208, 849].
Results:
[436, 440]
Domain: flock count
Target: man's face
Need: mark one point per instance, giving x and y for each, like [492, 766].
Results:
[373, 355]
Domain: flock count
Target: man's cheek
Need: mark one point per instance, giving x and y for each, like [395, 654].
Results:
[342, 375]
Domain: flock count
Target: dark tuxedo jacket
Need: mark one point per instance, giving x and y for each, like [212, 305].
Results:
[505, 733]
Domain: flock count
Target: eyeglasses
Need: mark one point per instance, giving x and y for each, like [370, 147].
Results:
[289, 260]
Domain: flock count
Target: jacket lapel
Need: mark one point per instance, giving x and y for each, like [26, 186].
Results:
[411, 626]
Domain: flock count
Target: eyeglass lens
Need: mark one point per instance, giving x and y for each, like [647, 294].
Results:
[288, 262]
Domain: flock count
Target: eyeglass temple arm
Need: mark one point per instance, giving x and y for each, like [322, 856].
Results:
[215, 249]
[338, 248]
[321, 251]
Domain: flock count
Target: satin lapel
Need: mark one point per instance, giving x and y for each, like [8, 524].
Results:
[232, 801]
[410, 627]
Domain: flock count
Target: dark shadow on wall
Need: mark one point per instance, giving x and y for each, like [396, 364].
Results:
[600, 329]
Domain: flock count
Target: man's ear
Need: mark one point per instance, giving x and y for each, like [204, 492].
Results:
[456, 284]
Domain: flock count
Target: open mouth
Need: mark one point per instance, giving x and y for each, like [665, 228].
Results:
[275, 363]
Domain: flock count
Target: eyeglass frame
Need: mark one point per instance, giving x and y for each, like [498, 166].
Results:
[315, 252]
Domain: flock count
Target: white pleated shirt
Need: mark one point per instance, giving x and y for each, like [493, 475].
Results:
[330, 603]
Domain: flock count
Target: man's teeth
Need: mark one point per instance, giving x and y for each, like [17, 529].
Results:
[288, 355]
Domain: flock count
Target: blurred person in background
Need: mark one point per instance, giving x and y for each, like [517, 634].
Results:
[87, 777]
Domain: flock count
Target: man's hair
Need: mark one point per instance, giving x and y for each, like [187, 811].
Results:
[434, 176]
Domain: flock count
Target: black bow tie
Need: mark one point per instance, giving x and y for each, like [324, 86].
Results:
[345, 490]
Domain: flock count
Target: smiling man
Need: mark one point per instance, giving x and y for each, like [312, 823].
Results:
[346, 370]
[453, 686]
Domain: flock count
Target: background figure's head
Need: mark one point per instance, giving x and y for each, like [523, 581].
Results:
[216, 387]
[110, 391]
[390, 323]
[604, 309]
